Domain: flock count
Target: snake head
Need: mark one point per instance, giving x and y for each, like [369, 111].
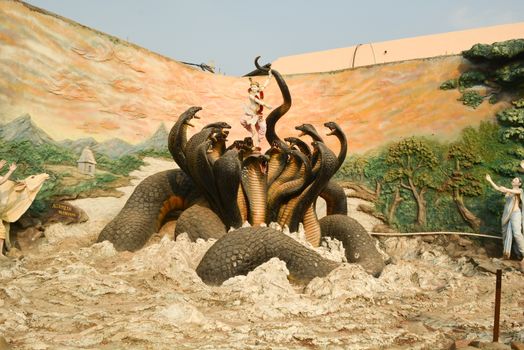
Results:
[291, 140]
[293, 155]
[246, 147]
[190, 114]
[276, 144]
[220, 125]
[256, 160]
[301, 128]
[219, 134]
[308, 129]
[333, 127]
[222, 136]
[248, 142]
[237, 144]
[274, 149]
[263, 163]
[264, 68]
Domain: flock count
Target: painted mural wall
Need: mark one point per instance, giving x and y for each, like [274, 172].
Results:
[65, 86]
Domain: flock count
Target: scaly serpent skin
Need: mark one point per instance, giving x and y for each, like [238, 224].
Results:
[235, 183]
[291, 181]
[144, 211]
[254, 184]
[278, 112]
[335, 197]
[359, 245]
[198, 221]
[327, 162]
[177, 139]
[242, 250]
[227, 171]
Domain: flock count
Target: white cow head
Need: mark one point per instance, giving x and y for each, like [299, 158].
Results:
[32, 183]
[16, 197]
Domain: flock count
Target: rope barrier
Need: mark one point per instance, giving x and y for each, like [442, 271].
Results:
[432, 233]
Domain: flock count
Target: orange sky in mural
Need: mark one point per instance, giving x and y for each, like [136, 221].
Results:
[76, 82]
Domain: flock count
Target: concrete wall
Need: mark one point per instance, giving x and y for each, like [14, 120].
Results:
[396, 50]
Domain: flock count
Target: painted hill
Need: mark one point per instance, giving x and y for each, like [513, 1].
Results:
[157, 142]
[77, 146]
[113, 148]
[23, 128]
[77, 82]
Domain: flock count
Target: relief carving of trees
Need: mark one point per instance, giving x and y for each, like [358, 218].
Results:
[411, 162]
[462, 183]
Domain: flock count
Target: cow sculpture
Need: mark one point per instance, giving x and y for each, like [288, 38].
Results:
[15, 198]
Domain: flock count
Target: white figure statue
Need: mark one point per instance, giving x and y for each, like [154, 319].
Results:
[512, 217]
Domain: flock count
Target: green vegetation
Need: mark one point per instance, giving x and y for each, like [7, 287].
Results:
[498, 69]
[471, 98]
[421, 184]
[513, 121]
[120, 166]
[503, 51]
[30, 160]
[100, 181]
[155, 153]
[411, 162]
[471, 78]
[33, 159]
[450, 84]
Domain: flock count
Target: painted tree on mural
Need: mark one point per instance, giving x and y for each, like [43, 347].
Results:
[497, 69]
[411, 163]
[32, 160]
[414, 175]
[448, 179]
[388, 191]
[461, 182]
[394, 184]
[354, 168]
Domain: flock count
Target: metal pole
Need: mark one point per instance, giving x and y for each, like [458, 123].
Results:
[355, 55]
[496, 323]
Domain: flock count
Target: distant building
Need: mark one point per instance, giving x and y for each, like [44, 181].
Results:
[86, 162]
[365, 54]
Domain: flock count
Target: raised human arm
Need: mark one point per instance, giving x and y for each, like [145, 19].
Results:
[266, 83]
[4, 178]
[259, 101]
[501, 188]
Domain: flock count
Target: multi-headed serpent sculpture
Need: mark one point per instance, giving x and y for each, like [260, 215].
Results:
[219, 187]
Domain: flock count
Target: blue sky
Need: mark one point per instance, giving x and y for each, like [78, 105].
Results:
[232, 32]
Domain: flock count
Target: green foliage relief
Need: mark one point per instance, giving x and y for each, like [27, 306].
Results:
[421, 184]
[33, 159]
[497, 71]
[444, 180]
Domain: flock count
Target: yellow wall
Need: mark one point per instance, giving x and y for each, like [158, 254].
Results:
[396, 50]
